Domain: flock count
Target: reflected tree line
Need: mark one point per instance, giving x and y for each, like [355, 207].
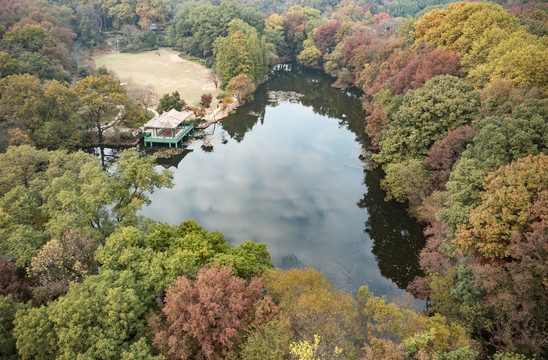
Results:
[397, 238]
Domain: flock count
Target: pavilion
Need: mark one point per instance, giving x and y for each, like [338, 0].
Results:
[169, 128]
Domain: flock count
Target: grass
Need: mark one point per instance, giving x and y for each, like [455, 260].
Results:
[162, 74]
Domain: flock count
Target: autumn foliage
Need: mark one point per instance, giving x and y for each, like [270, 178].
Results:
[208, 318]
[515, 196]
[12, 283]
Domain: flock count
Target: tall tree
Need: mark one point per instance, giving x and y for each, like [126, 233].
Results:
[152, 11]
[30, 38]
[241, 87]
[8, 310]
[511, 195]
[99, 95]
[457, 27]
[135, 178]
[62, 262]
[325, 35]
[169, 102]
[98, 318]
[241, 53]
[425, 116]
[501, 140]
[209, 318]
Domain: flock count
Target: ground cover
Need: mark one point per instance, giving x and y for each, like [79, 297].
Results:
[162, 72]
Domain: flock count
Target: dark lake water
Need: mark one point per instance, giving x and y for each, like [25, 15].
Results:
[293, 177]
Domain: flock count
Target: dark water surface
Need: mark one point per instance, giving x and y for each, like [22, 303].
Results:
[293, 177]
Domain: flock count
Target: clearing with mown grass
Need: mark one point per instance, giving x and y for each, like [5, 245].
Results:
[162, 73]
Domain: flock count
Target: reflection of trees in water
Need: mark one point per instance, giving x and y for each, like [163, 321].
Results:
[318, 94]
[110, 155]
[397, 238]
[107, 155]
[174, 160]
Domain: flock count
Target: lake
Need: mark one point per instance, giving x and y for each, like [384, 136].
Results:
[295, 175]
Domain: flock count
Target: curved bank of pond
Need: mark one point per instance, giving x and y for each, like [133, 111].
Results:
[291, 175]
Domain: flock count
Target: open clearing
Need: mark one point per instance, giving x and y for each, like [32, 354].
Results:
[162, 74]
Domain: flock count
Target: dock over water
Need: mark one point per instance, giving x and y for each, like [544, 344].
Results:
[169, 128]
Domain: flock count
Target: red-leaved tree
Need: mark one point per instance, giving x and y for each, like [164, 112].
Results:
[205, 100]
[12, 283]
[326, 35]
[207, 319]
[443, 155]
[423, 68]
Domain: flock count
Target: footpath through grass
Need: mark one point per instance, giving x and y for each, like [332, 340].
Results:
[162, 73]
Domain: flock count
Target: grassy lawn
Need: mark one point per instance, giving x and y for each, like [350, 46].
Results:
[162, 74]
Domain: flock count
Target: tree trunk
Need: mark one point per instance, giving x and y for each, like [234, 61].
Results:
[99, 131]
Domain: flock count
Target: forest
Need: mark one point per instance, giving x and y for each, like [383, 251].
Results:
[456, 105]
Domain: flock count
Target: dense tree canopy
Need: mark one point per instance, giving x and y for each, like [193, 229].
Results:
[461, 24]
[99, 96]
[208, 318]
[514, 198]
[501, 140]
[101, 317]
[425, 116]
[45, 193]
[241, 53]
[46, 112]
[469, 161]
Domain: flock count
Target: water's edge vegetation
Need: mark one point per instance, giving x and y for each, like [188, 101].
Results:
[457, 114]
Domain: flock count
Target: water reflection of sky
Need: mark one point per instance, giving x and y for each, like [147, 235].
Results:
[292, 183]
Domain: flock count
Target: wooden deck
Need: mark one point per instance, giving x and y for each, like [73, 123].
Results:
[165, 136]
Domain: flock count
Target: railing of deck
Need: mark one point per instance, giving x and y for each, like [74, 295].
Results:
[168, 139]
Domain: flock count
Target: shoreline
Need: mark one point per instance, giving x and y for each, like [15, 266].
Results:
[217, 115]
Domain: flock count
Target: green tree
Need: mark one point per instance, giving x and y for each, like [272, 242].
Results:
[241, 52]
[89, 24]
[199, 25]
[30, 38]
[8, 309]
[99, 96]
[47, 113]
[168, 102]
[98, 318]
[425, 116]
[310, 56]
[45, 193]
[407, 181]
[9, 65]
[79, 198]
[42, 66]
[501, 140]
[135, 177]
[35, 335]
[161, 252]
